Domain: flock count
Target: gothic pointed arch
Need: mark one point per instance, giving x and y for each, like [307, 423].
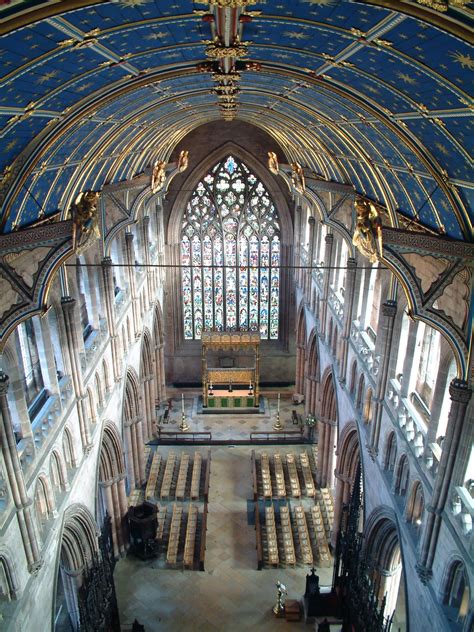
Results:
[347, 464]
[148, 383]
[230, 239]
[328, 429]
[385, 555]
[111, 496]
[78, 546]
[133, 430]
[300, 350]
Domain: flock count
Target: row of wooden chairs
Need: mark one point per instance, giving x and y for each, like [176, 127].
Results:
[271, 533]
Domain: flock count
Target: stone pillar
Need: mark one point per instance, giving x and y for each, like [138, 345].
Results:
[130, 256]
[460, 395]
[23, 504]
[127, 436]
[409, 356]
[384, 347]
[68, 306]
[297, 241]
[146, 256]
[349, 295]
[109, 300]
[328, 259]
[339, 498]
[309, 271]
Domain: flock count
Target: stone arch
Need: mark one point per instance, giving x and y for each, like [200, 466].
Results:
[328, 430]
[402, 475]
[58, 475]
[272, 184]
[360, 391]
[159, 351]
[348, 461]
[313, 374]
[44, 501]
[91, 409]
[367, 411]
[105, 375]
[147, 382]
[68, 449]
[456, 595]
[9, 587]
[112, 497]
[78, 545]
[133, 431]
[390, 452]
[416, 506]
[300, 351]
[384, 554]
[98, 391]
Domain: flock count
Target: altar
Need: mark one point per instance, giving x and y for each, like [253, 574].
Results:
[230, 387]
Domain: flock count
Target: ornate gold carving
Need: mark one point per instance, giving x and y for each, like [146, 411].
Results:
[297, 177]
[227, 376]
[437, 5]
[85, 220]
[231, 4]
[183, 160]
[368, 231]
[229, 340]
[273, 162]
[158, 176]
[217, 51]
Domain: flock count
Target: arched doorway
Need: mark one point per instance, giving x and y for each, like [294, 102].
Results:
[158, 346]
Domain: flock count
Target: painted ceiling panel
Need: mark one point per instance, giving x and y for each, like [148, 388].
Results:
[381, 76]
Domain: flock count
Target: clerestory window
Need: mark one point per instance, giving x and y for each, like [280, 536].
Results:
[230, 254]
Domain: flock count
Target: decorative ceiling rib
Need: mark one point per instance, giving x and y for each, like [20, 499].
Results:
[357, 92]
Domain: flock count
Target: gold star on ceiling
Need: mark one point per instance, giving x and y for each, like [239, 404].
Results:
[442, 149]
[296, 35]
[132, 3]
[464, 60]
[406, 78]
[47, 76]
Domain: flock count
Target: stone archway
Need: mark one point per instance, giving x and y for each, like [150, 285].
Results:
[133, 432]
[348, 461]
[328, 432]
[384, 554]
[78, 545]
[300, 352]
[112, 497]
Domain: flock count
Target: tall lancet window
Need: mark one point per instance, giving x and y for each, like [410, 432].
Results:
[230, 254]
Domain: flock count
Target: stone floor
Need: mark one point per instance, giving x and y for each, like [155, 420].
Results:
[230, 594]
[228, 426]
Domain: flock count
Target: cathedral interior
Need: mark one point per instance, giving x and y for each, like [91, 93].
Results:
[236, 262]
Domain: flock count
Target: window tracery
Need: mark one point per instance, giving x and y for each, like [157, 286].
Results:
[230, 254]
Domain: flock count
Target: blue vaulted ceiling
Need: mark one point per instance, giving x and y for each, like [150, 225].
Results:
[357, 92]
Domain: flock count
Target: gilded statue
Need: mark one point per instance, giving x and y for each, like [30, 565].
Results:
[183, 160]
[368, 230]
[85, 220]
[297, 177]
[273, 162]
[158, 176]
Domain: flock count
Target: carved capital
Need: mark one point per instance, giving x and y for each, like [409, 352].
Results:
[460, 391]
[389, 308]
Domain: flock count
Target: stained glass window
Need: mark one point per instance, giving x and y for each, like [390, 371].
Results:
[230, 254]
